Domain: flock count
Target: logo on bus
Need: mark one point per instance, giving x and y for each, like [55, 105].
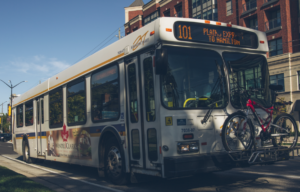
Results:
[139, 40]
[65, 133]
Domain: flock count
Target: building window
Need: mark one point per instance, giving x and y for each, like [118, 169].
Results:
[277, 80]
[274, 20]
[178, 9]
[105, 94]
[29, 113]
[275, 47]
[56, 108]
[167, 13]
[228, 8]
[76, 101]
[203, 9]
[252, 23]
[151, 17]
[20, 116]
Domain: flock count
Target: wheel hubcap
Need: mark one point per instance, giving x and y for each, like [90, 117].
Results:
[114, 162]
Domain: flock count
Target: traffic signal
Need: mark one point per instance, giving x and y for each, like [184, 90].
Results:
[9, 110]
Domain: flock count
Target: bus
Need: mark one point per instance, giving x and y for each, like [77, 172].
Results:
[152, 103]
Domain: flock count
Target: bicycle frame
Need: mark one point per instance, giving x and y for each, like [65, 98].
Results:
[250, 105]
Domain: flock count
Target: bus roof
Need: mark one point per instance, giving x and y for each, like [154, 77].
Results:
[160, 30]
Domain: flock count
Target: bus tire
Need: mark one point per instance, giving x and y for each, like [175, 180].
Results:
[26, 152]
[115, 163]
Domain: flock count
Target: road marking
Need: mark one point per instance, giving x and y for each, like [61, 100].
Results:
[266, 174]
[74, 178]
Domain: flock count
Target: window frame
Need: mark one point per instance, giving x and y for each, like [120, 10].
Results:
[223, 66]
[30, 101]
[49, 102]
[91, 88]
[279, 91]
[74, 82]
[156, 155]
[133, 157]
[275, 40]
[144, 85]
[22, 116]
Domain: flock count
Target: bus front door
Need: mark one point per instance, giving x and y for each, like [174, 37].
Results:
[150, 119]
[134, 122]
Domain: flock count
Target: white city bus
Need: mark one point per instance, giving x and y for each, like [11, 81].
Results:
[152, 103]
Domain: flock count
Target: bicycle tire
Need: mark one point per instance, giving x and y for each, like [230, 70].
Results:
[226, 140]
[293, 130]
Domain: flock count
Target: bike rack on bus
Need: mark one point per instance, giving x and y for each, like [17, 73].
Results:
[263, 155]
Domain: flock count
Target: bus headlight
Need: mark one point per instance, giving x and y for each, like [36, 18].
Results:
[188, 147]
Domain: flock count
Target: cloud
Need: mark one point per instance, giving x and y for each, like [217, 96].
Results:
[39, 64]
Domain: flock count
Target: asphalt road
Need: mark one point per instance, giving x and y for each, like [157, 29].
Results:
[281, 176]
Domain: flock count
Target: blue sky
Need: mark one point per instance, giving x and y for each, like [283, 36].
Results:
[40, 38]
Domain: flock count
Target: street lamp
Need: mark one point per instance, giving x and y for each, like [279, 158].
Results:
[11, 96]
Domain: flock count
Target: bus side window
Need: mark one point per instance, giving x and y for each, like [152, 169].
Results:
[29, 113]
[135, 136]
[152, 144]
[42, 108]
[20, 116]
[149, 90]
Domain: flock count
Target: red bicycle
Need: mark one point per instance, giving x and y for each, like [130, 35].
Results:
[238, 132]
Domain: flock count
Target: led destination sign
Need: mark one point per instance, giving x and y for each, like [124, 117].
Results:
[205, 33]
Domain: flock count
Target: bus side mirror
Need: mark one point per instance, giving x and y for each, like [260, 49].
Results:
[161, 61]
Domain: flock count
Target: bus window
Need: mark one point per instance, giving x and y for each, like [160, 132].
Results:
[105, 94]
[76, 100]
[149, 89]
[152, 144]
[195, 79]
[42, 108]
[20, 116]
[29, 113]
[133, 93]
[249, 71]
[56, 108]
[135, 136]
[37, 111]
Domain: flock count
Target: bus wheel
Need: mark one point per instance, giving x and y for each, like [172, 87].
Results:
[26, 153]
[115, 163]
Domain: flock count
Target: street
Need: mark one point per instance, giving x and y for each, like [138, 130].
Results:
[281, 176]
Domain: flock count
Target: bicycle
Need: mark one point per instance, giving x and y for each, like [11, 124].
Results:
[238, 132]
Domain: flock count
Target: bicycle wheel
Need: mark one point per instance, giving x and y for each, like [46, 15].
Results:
[237, 134]
[284, 132]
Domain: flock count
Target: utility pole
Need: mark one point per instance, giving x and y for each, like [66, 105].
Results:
[11, 97]
[119, 36]
[2, 106]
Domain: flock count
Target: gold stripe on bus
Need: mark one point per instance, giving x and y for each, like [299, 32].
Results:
[42, 137]
[31, 137]
[19, 137]
[86, 71]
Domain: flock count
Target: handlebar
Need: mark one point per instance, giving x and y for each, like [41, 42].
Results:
[283, 103]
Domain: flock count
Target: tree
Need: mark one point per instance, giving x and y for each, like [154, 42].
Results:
[5, 125]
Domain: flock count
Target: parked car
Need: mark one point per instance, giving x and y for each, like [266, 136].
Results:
[5, 137]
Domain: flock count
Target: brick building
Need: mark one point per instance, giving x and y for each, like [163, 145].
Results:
[279, 19]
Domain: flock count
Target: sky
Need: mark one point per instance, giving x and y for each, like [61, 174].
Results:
[40, 38]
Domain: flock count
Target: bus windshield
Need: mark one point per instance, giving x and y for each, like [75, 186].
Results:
[194, 79]
[249, 71]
